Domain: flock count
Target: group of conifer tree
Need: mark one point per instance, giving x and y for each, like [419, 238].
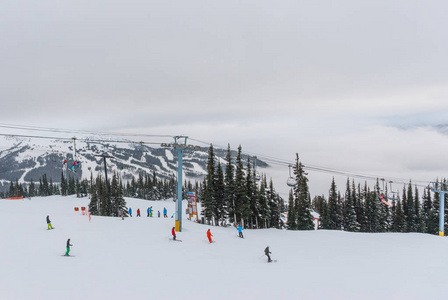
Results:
[45, 187]
[238, 194]
[360, 209]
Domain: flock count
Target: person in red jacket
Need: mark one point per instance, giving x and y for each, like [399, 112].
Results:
[209, 235]
[173, 232]
[138, 212]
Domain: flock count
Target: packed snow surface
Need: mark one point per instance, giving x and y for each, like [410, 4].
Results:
[134, 259]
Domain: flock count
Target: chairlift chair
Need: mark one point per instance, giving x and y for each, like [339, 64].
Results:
[291, 181]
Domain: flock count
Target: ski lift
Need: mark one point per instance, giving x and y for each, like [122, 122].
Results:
[291, 181]
[392, 195]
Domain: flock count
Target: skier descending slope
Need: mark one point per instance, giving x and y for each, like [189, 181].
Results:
[209, 236]
[240, 231]
[49, 223]
[173, 232]
[267, 252]
[68, 248]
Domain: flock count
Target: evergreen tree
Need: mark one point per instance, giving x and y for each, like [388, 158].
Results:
[209, 200]
[332, 216]
[274, 207]
[301, 193]
[241, 199]
[350, 220]
[264, 209]
[118, 203]
[229, 186]
[399, 222]
[292, 218]
[220, 207]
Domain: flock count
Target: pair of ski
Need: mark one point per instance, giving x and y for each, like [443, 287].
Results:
[175, 240]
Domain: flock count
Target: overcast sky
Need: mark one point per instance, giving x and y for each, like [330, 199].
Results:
[351, 85]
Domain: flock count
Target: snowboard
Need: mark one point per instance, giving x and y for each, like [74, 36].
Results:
[67, 255]
[51, 228]
[272, 260]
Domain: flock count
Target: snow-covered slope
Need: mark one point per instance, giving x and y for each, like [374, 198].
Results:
[134, 259]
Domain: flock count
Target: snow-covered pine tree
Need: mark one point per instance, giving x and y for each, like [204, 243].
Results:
[301, 193]
[94, 200]
[209, 201]
[398, 222]
[274, 206]
[264, 208]
[333, 217]
[220, 207]
[292, 216]
[250, 213]
[350, 221]
[118, 203]
[241, 199]
[229, 186]
[411, 216]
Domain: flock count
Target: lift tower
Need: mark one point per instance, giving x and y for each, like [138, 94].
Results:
[442, 191]
[180, 147]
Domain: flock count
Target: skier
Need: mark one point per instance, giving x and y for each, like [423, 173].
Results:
[158, 213]
[173, 232]
[138, 212]
[130, 211]
[165, 213]
[68, 248]
[267, 252]
[147, 211]
[209, 235]
[150, 211]
[240, 231]
[49, 223]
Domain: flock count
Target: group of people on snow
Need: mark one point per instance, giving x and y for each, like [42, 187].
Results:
[68, 241]
[267, 252]
[149, 212]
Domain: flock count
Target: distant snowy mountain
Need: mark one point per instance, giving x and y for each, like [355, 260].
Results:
[24, 159]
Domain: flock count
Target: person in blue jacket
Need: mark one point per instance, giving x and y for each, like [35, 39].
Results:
[165, 213]
[130, 211]
[240, 231]
[147, 211]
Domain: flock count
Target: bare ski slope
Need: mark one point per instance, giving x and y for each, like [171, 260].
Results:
[134, 259]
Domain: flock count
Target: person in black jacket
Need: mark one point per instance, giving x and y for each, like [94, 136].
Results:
[267, 252]
[49, 223]
[68, 248]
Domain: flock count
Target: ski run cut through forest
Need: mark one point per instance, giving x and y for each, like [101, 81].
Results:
[134, 258]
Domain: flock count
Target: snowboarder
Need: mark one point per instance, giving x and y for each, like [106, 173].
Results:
[267, 252]
[150, 211]
[49, 223]
[173, 232]
[240, 231]
[147, 211]
[158, 213]
[138, 212]
[209, 236]
[130, 211]
[165, 213]
[68, 248]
